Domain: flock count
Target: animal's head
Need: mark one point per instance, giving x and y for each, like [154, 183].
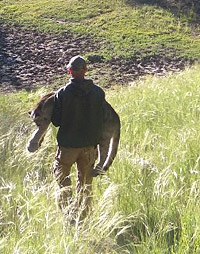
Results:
[36, 114]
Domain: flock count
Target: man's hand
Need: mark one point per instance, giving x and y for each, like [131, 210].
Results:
[98, 171]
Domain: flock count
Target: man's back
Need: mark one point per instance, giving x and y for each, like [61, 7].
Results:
[78, 112]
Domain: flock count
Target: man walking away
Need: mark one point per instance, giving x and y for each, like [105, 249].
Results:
[78, 112]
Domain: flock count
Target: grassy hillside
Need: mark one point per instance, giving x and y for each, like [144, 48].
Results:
[127, 29]
[147, 203]
[149, 200]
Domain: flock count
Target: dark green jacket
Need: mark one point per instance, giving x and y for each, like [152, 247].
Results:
[78, 112]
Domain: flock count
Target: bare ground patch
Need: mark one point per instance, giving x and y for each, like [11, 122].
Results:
[29, 59]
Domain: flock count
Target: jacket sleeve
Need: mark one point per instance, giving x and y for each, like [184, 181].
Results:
[57, 109]
[102, 94]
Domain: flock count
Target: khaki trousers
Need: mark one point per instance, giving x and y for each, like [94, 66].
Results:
[85, 159]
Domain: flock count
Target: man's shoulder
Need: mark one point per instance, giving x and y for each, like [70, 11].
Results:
[100, 91]
[97, 88]
[65, 88]
[88, 85]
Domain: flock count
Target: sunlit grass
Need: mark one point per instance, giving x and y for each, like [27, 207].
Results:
[148, 202]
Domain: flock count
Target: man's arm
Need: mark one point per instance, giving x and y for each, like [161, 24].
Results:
[57, 109]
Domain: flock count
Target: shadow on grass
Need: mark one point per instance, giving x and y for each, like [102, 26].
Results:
[189, 8]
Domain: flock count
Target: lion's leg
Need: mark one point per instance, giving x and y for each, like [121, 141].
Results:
[104, 146]
[37, 139]
[112, 152]
[107, 149]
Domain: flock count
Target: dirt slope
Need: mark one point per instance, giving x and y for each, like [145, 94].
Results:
[29, 59]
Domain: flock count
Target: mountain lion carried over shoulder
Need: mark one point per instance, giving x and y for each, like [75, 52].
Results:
[108, 144]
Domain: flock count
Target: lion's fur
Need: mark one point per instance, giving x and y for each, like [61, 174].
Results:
[109, 142]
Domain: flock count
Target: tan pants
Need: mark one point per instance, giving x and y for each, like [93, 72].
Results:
[85, 159]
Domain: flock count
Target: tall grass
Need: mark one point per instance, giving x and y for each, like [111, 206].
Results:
[147, 203]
